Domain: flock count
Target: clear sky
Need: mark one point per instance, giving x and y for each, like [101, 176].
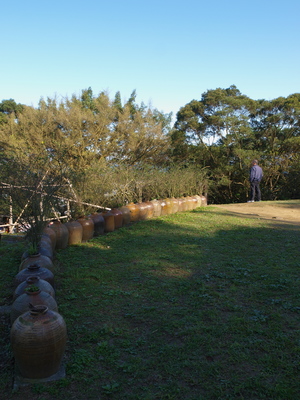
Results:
[170, 51]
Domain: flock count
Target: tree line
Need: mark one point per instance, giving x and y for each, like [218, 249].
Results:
[225, 130]
[91, 140]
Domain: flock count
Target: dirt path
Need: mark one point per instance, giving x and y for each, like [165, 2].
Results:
[282, 211]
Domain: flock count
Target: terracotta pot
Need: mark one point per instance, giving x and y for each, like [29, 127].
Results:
[22, 303]
[45, 247]
[118, 215]
[99, 223]
[34, 270]
[134, 212]
[87, 228]
[36, 281]
[199, 200]
[38, 340]
[203, 200]
[143, 211]
[195, 202]
[164, 207]
[185, 206]
[75, 232]
[62, 234]
[51, 234]
[190, 203]
[156, 208]
[38, 259]
[109, 221]
[150, 209]
[175, 205]
[126, 215]
[169, 206]
[180, 204]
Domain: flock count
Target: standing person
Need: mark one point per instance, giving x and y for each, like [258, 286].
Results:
[255, 177]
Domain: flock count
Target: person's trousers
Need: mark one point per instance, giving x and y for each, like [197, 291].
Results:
[255, 190]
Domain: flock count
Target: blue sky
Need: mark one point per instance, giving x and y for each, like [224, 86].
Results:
[170, 52]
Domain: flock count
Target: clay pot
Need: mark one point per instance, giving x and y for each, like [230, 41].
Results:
[184, 204]
[38, 259]
[143, 211]
[75, 232]
[169, 206]
[34, 270]
[134, 212]
[87, 228]
[36, 281]
[45, 247]
[150, 209]
[156, 208]
[175, 205]
[203, 200]
[118, 215]
[51, 234]
[62, 234]
[99, 223]
[180, 204]
[126, 215]
[109, 221]
[195, 202]
[38, 340]
[164, 207]
[38, 297]
[199, 200]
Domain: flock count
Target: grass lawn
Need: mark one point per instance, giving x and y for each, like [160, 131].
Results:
[191, 306]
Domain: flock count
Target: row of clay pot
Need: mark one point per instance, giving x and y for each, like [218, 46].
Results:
[38, 332]
[86, 227]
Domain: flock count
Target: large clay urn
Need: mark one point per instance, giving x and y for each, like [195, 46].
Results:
[164, 207]
[45, 247]
[180, 204]
[99, 223]
[126, 215]
[184, 204]
[199, 200]
[156, 208]
[34, 270]
[87, 228]
[38, 340]
[42, 261]
[32, 296]
[150, 209]
[175, 205]
[143, 211]
[34, 281]
[118, 215]
[109, 221]
[62, 234]
[134, 212]
[169, 205]
[75, 232]
[190, 203]
[195, 202]
[203, 200]
[51, 234]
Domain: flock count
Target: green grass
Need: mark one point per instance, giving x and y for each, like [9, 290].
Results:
[196, 305]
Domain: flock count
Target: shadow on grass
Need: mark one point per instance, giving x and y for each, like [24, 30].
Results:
[199, 305]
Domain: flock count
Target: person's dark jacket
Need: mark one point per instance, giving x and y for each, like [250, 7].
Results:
[256, 173]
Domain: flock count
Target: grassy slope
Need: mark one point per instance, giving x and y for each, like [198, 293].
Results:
[198, 305]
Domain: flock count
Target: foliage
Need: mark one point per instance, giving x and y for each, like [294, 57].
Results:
[225, 130]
